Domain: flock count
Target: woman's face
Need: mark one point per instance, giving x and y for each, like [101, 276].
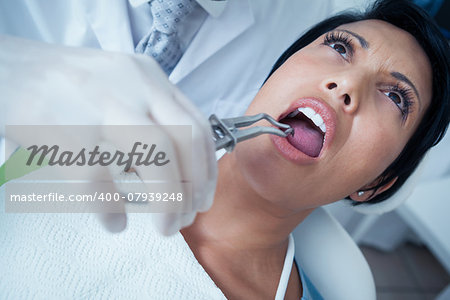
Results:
[369, 83]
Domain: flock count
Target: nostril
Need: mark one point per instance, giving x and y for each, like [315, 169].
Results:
[347, 99]
[331, 86]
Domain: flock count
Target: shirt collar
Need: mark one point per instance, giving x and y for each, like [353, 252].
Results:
[212, 7]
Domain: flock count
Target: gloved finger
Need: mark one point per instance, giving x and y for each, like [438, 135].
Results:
[177, 109]
[160, 176]
[113, 217]
[170, 223]
[113, 222]
[203, 177]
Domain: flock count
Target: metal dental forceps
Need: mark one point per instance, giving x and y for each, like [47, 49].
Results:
[227, 135]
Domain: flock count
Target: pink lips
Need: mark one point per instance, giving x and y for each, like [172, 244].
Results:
[287, 150]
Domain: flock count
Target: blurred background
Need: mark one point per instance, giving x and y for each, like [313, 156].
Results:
[408, 249]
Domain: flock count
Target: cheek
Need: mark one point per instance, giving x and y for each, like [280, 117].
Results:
[287, 84]
[376, 143]
[310, 61]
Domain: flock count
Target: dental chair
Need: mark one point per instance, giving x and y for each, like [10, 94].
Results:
[331, 259]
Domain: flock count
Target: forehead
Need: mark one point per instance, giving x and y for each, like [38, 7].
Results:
[381, 31]
[394, 50]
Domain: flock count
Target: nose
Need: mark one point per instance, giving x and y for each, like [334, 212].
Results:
[344, 91]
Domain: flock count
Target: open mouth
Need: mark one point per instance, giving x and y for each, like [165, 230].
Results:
[309, 130]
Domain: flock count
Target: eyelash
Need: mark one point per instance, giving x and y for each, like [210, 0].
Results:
[345, 40]
[405, 95]
[342, 39]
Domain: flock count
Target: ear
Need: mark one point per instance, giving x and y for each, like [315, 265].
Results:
[369, 193]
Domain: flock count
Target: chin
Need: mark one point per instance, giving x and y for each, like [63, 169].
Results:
[288, 185]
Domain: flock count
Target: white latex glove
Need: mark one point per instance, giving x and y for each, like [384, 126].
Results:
[42, 84]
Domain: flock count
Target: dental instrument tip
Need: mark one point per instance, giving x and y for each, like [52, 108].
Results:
[289, 131]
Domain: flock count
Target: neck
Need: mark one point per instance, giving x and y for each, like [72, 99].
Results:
[240, 218]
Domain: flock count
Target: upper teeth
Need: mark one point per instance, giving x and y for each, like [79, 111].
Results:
[312, 115]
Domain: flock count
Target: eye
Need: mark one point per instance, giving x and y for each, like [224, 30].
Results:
[340, 49]
[339, 42]
[394, 97]
[401, 97]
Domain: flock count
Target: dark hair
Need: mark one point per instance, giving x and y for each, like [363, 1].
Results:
[407, 16]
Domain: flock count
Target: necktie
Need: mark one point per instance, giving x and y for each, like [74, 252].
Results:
[162, 42]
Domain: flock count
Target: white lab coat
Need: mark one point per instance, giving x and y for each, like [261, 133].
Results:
[222, 68]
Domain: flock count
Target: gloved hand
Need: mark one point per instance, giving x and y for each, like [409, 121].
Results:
[44, 84]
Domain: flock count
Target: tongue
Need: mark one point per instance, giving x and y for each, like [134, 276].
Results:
[306, 138]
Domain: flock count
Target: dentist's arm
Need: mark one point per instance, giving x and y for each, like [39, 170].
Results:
[42, 84]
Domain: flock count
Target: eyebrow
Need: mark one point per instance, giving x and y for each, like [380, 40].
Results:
[406, 80]
[364, 43]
